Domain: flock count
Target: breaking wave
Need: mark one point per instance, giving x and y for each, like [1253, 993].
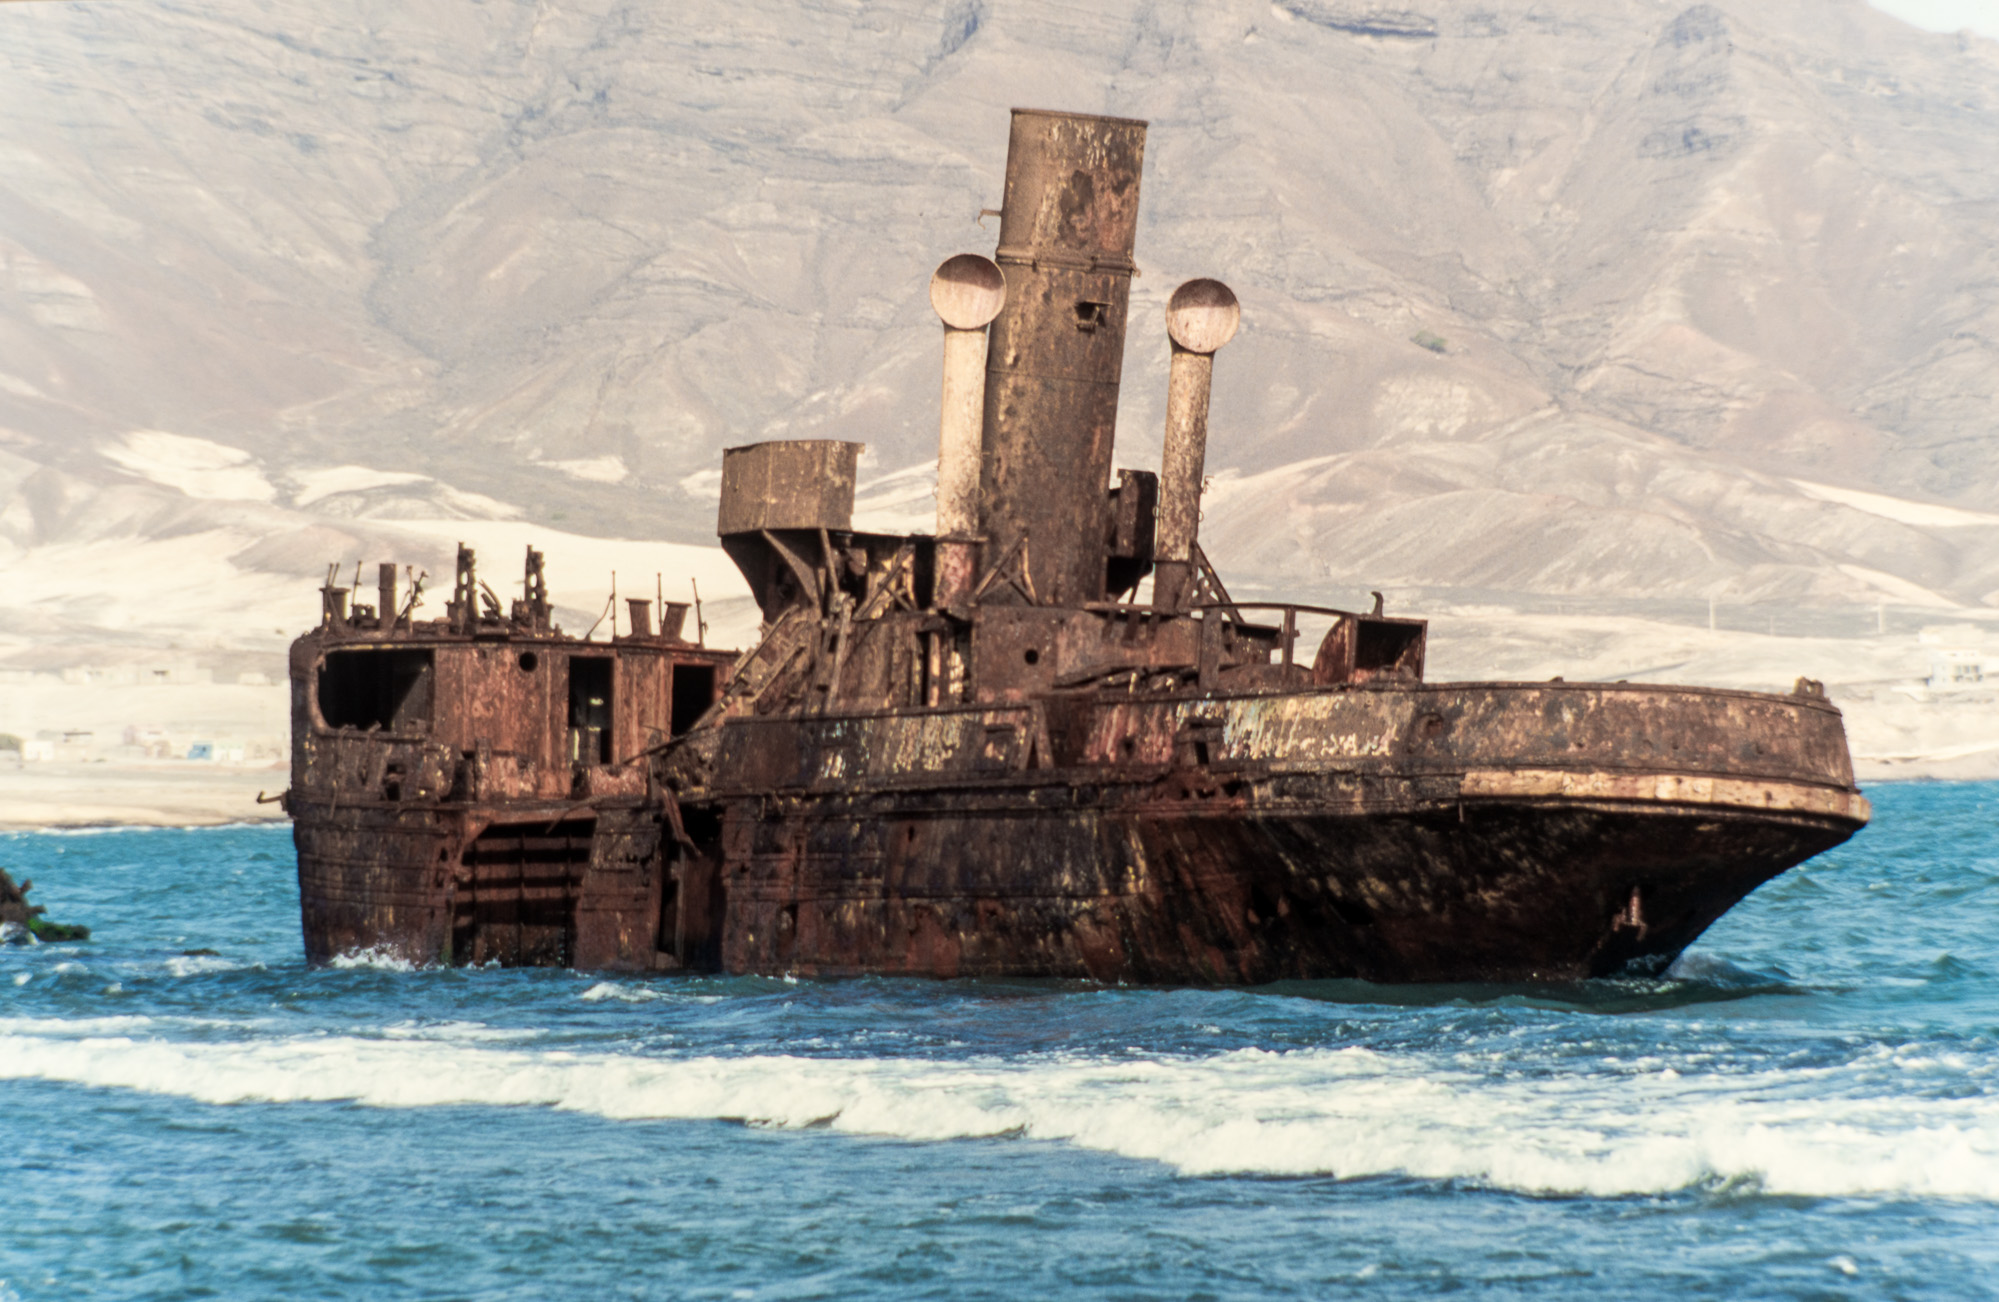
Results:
[381, 960]
[187, 965]
[611, 990]
[1346, 1113]
[619, 992]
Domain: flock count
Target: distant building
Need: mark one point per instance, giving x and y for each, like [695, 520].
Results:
[176, 673]
[1959, 660]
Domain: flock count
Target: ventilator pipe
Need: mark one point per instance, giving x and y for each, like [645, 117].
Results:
[385, 591]
[1201, 316]
[968, 291]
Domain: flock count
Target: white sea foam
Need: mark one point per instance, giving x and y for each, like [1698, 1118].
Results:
[458, 1032]
[379, 959]
[604, 990]
[1346, 1113]
[624, 994]
[185, 965]
[78, 1027]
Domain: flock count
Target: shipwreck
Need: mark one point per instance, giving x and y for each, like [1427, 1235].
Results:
[1043, 741]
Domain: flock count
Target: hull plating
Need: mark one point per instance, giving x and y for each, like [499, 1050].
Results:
[1414, 889]
[1214, 840]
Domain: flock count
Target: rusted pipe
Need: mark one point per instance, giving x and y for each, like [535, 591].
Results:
[1201, 316]
[968, 291]
[385, 590]
[1067, 228]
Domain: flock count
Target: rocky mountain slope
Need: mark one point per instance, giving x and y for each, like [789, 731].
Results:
[1626, 301]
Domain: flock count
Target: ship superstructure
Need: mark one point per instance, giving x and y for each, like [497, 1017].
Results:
[475, 788]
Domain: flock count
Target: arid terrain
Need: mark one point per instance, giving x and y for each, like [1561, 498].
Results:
[1628, 340]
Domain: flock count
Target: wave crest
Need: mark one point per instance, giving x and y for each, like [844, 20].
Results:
[1346, 1113]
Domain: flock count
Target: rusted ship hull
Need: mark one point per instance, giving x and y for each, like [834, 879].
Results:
[1429, 879]
[1571, 831]
[1410, 833]
[555, 886]
[1410, 888]
[1383, 880]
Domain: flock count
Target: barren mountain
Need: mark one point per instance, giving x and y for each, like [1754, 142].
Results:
[1625, 301]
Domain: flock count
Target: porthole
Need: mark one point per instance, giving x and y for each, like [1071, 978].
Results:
[529, 661]
[1032, 656]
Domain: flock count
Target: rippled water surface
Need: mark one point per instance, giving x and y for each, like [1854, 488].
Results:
[1807, 1106]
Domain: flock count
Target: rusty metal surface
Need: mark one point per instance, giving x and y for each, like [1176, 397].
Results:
[1067, 229]
[806, 484]
[952, 755]
[967, 292]
[1382, 881]
[1448, 832]
[476, 788]
[1201, 316]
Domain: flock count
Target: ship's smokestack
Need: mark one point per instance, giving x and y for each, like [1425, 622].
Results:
[1201, 316]
[1066, 231]
[968, 291]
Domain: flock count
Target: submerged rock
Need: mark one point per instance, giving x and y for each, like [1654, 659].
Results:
[21, 923]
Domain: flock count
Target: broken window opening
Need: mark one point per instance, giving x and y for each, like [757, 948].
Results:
[1380, 647]
[693, 693]
[387, 691]
[589, 710]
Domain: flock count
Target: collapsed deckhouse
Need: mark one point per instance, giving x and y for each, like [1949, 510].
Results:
[1045, 740]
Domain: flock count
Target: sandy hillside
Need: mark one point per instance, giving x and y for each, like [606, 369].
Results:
[1603, 312]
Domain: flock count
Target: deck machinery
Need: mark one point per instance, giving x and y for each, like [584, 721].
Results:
[997, 750]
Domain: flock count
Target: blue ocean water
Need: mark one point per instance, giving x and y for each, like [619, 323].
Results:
[1806, 1106]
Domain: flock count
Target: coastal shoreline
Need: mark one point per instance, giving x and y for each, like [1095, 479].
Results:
[76, 796]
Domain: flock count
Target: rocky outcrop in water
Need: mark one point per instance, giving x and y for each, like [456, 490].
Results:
[22, 923]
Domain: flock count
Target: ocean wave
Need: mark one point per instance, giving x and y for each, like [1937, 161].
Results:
[77, 1027]
[611, 990]
[619, 992]
[458, 1032]
[187, 965]
[380, 960]
[1345, 1113]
